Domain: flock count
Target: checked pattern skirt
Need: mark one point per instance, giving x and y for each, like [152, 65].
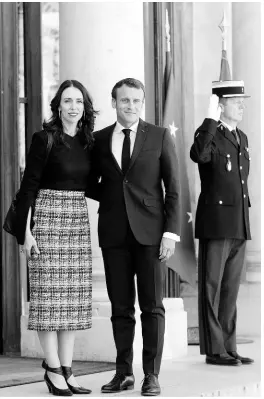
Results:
[60, 277]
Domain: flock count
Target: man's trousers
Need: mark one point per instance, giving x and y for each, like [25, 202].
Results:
[220, 266]
[121, 264]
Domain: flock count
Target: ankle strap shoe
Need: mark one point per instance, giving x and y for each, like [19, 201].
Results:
[67, 372]
[51, 387]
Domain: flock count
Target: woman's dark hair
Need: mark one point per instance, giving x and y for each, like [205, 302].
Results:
[85, 124]
[130, 82]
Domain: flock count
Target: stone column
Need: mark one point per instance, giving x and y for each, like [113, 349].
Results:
[101, 43]
[247, 67]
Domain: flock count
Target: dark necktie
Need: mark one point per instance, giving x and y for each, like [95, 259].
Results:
[236, 136]
[125, 159]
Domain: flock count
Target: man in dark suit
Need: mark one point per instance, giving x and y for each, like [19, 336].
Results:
[138, 226]
[222, 221]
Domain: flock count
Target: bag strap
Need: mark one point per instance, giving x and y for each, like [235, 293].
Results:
[49, 145]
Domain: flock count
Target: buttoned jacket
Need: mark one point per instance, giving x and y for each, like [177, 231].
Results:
[136, 198]
[223, 205]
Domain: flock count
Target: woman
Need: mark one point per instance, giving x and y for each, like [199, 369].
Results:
[54, 233]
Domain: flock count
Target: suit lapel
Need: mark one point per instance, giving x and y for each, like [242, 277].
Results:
[142, 131]
[229, 136]
[140, 138]
[110, 135]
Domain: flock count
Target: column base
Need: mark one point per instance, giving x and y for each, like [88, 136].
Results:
[97, 343]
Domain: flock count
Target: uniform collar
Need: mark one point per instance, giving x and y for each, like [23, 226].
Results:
[227, 126]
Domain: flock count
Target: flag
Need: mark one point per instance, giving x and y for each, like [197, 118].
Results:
[225, 73]
[183, 261]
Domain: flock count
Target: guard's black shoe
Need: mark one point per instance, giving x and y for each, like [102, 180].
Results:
[120, 382]
[244, 360]
[222, 360]
[151, 386]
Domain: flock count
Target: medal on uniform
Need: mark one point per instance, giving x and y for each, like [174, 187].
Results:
[228, 163]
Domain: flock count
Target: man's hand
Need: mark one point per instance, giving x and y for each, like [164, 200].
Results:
[214, 109]
[167, 248]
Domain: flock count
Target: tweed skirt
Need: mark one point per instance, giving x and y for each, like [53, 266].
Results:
[60, 277]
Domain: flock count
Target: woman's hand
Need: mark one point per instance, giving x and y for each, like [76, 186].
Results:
[29, 243]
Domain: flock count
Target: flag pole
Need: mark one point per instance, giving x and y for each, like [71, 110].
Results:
[223, 27]
[167, 30]
[168, 52]
[225, 73]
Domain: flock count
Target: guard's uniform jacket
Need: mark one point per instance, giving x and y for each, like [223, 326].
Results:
[222, 210]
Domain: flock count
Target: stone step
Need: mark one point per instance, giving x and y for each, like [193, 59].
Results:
[253, 274]
[249, 297]
[244, 390]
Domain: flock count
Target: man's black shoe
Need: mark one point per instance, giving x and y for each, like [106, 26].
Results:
[222, 360]
[151, 386]
[120, 382]
[244, 360]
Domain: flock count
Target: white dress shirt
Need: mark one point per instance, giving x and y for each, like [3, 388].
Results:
[118, 138]
[117, 146]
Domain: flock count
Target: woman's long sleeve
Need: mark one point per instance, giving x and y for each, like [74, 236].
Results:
[31, 180]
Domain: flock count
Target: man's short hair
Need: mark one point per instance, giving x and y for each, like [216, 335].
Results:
[223, 100]
[130, 82]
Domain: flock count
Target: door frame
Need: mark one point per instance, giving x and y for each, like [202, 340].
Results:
[10, 282]
[10, 298]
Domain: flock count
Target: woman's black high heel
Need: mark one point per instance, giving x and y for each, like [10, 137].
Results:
[67, 372]
[52, 388]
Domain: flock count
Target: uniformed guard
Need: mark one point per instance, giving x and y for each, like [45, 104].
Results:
[222, 220]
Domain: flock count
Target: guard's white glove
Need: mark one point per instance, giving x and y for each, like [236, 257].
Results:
[214, 110]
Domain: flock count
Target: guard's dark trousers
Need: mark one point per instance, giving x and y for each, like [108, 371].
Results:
[220, 266]
[122, 263]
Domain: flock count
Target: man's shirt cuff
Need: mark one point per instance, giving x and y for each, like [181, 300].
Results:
[172, 236]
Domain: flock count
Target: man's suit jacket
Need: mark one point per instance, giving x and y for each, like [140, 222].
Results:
[136, 198]
[222, 210]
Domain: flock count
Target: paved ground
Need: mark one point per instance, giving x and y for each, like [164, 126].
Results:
[189, 376]
[24, 370]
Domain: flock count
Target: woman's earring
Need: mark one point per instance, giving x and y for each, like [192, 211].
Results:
[60, 113]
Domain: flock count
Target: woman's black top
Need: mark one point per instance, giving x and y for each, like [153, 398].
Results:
[67, 168]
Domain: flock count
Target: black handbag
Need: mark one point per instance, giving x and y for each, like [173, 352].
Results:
[10, 222]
